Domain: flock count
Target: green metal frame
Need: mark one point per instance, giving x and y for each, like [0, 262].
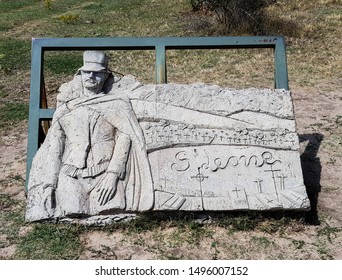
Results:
[159, 44]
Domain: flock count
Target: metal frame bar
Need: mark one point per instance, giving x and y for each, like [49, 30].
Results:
[159, 44]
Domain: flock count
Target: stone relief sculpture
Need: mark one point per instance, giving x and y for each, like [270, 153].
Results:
[94, 158]
[122, 147]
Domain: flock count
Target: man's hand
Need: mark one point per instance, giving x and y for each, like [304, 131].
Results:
[106, 188]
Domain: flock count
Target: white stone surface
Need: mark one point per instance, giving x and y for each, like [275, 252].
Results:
[212, 148]
[131, 147]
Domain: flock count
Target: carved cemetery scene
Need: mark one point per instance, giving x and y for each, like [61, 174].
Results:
[118, 146]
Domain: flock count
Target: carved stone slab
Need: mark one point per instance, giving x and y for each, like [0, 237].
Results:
[212, 148]
[128, 147]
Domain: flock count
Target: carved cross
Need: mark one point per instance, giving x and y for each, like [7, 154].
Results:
[187, 136]
[168, 137]
[200, 178]
[236, 190]
[258, 182]
[274, 179]
[178, 136]
[282, 178]
[246, 139]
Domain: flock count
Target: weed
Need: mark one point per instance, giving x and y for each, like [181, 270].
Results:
[190, 232]
[196, 233]
[69, 18]
[242, 15]
[236, 251]
[14, 5]
[108, 253]
[244, 222]
[267, 222]
[17, 177]
[176, 238]
[6, 202]
[13, 112]
[93, 6]
[62, 62]
[298, 244]
[338, 120]
[323, 251]
[214, 245]
[16, 15]
[330, 189]
[15, 55]
[51, 241]
[104, 252]
[262, 241]
[48, 4]
[173, 257]
[11, 219]
[140, 224]
[272, 226]
[332, 161]
[329, 232]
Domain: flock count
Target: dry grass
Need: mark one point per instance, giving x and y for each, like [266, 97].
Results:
[313, 30]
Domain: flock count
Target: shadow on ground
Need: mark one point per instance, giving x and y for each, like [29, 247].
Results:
[312, 169]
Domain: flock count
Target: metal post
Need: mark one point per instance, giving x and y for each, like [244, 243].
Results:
[33, 123]
[161, 65]
[280, 65]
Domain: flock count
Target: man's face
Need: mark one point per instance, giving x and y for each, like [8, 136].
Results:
[93, 81]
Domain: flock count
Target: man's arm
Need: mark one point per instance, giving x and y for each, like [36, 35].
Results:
[120, 155]
[116, 170]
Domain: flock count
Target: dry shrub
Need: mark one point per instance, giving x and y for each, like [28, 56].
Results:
[237, 16]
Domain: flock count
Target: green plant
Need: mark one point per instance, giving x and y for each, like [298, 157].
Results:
[11, 5]
[137, 225]
[323, 251]
[262, 241]
[60, 63]
[15, 54]
[215, 245]
[244, 222]
[51, 241]
[6, 202]
[48, 4]
[274, 225]
[338, 120]
[299, 244]
[198, 4]
[69, 18]
[11, 220]
[196, 232]
[12, 112]
[329, 232]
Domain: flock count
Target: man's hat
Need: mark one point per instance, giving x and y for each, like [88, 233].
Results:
[95, 61]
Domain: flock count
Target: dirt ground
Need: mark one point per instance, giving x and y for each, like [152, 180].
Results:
[319, 121]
